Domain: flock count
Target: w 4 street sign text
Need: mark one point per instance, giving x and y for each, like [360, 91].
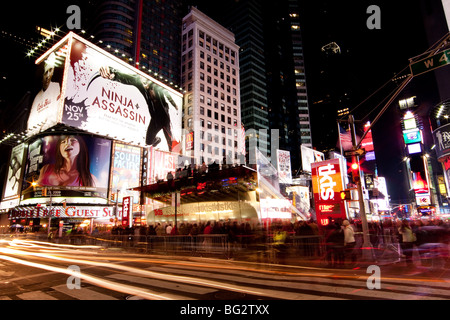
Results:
[438, 60]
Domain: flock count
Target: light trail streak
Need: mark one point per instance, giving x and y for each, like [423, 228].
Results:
[91, 279]
[146, 273]
[56, 248]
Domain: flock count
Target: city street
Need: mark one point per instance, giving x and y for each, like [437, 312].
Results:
[32, 270]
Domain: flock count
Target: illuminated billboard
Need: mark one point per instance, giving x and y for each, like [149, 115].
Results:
[15, 171]
[367, 142]
[103, 95]
[47, 100]
[160, 164]
[414, 148]
[441, 138]
[410, 123]
[327, 183]
[310, 156]
[67, 166]
[284, 166]
[412, 136]
[125, 171]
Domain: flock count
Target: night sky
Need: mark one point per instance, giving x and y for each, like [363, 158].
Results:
[371, 57]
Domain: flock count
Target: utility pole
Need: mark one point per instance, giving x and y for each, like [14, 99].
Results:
[367, 251]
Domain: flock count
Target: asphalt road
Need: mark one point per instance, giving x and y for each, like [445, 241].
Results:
[41, 271]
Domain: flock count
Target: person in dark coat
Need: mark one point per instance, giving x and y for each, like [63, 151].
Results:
[335, 246]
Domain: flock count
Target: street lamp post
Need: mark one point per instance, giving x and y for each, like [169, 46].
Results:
[50, 214]
[367, 251]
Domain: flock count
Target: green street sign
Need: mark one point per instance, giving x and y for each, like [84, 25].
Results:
[438, 60]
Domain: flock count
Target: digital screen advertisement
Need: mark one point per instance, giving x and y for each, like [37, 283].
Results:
[67, 165]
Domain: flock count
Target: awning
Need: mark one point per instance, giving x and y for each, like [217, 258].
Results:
[230, 184]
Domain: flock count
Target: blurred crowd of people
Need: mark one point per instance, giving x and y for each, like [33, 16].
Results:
[429, 237]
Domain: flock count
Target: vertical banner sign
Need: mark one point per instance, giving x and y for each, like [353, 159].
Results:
[15, 172]
[327, 183]
[189, 141]
[126, 211]
[284, 166]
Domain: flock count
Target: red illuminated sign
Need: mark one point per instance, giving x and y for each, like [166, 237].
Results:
[126, 211]
[327, 184]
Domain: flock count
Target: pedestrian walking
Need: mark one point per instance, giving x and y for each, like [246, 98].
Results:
[349, 241]
[408, 239]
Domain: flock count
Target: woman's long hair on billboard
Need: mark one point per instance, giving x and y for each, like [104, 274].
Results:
[82, 161]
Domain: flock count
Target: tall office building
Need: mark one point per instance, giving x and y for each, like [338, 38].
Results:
[272, 71]
[145, 33]
[245, 20]
[210, 78]
[288, 98]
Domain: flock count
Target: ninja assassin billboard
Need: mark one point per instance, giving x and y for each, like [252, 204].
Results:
[103, 95]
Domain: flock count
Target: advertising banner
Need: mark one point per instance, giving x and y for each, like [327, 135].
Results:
[106, 96]
[310, 156]
[47, 100]
[126, 170]
[67, 166]
[412, 136]
[84, 212]
[327, 183]
[15, 172]
[161, 163]
[189, 141]
[441, 138]
[367, 142]
[300, 198]
[205, 211]
[284, 166]
[126, 211]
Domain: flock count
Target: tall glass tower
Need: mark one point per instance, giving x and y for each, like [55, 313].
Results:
[147, 34]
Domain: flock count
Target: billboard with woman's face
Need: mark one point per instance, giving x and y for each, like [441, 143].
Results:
[68, 166]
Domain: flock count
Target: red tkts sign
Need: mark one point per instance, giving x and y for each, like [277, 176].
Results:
[327, 183]
[126, 211]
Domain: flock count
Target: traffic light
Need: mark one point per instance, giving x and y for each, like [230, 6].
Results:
[113, 196]
[346, 195]
[355, 172]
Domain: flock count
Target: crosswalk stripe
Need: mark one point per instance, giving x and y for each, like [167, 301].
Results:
[162, 284]
[35, 295]
[83, 293]
[327, 288]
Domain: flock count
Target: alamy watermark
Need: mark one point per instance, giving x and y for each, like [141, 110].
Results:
[74, 20]
[374, 20]
[374, 280]
[74, 281]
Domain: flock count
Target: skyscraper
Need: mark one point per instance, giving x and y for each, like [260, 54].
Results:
[246, 22]
[210, 78]
[145, 33]
[272, 71]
